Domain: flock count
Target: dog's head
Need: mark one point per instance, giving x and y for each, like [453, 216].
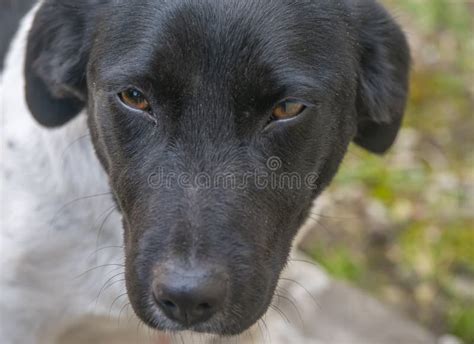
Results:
[218, 123]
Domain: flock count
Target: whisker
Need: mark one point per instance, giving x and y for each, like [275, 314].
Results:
[102, 249]
[306, 290]
[294, 306]
[104, 287]
[77, 200]
[332, 217]
[319, 223]
[99, 267]
[138, 328]
[127, 304]
[115, 300]
[269, 334]
[261, 330]
[63, 154]
[251, 337]
[279, 311]
[109, 212]
[303, 261]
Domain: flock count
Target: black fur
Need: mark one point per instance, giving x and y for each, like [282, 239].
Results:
[383, 80]
[56, 59]
[213, 71]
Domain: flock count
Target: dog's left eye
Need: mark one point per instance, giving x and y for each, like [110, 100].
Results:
[135, 99]
[288, 109]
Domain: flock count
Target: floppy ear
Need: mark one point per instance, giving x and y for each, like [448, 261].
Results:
[383, 76]
[56, 59]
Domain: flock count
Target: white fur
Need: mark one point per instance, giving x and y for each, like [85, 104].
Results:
[48, 236]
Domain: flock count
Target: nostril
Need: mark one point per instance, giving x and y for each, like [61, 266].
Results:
[204, 306]
[169, 304]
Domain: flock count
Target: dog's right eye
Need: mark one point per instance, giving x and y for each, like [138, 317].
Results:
[288, 109]
[135, 99]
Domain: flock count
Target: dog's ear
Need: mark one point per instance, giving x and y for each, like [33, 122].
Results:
[384, 64]
[56, 58]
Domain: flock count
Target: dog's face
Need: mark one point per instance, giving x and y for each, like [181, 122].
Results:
[218, 124]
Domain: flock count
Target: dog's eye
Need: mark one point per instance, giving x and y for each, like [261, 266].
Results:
[135, 99]
[288, 109]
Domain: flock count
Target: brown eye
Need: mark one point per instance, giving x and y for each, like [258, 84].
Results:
[135, 99]
[288, 109]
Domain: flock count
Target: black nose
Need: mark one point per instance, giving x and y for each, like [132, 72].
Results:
[189, 296]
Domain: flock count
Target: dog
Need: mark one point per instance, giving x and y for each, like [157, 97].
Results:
[122, 122]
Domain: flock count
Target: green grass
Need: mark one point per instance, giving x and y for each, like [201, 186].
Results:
[461, 320]
[340, 263]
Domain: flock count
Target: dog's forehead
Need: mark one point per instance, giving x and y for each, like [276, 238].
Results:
[186, 43]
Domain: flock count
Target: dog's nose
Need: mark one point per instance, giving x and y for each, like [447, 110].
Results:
[190, 296]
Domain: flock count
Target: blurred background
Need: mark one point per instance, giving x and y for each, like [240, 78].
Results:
[402, 226]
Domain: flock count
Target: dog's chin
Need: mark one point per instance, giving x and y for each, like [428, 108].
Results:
[219, 325]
